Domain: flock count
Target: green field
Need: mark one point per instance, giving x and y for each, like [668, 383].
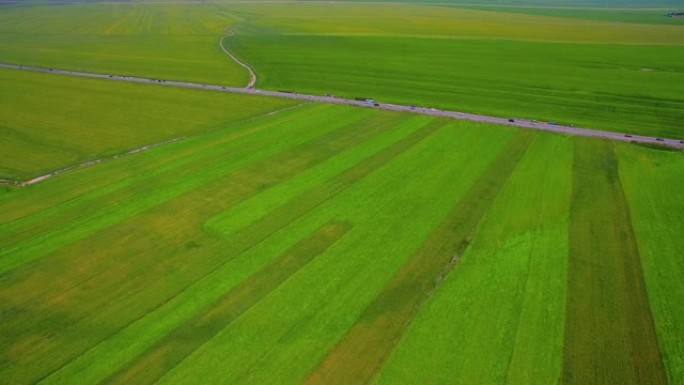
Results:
[610, 75]
[279, 242]
[173, 41]
[619, 73]
[200, 256]
[49, 122]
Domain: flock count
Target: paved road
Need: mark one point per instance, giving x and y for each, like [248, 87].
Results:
[541, 126]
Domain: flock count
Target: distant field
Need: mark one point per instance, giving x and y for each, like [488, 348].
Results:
[575, 66]
[49, 122]
[275, 247]
[623, 77]
[174, 41]
[647, 16]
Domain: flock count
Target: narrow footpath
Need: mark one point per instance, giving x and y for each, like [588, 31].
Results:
[252, 75]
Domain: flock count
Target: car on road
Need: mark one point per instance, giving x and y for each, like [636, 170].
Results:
[511, 120]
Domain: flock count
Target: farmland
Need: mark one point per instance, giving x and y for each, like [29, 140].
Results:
[615, 76]
[620, 74]
[126, 281]
[54, 121]
[282, 241]
[175, 41]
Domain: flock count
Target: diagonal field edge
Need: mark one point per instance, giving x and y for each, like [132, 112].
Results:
[247, 181]
[182, 341]
[362, 350]
[314, 197]
[92, 162]
[281, 217]
[11, 258]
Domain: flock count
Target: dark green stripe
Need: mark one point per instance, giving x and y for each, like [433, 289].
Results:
[362, 350]
[299, 206]
[609, 333]
[218, 253]
[167, 353]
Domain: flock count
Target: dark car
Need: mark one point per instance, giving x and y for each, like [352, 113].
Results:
[511, 120]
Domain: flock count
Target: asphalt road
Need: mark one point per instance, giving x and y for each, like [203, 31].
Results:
[540, 126]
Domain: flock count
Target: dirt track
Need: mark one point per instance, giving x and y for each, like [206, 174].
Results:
[540, 126]
[252, 75]
[41, 178]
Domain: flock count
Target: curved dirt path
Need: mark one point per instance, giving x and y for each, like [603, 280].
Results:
[522, 123]
[252, 75]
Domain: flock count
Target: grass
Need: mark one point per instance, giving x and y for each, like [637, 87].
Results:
[205, 325]
[319, 243]
[271, 245]
[609, 75]
[150, 209]
[406, 20]
[646, 16]
[609, 333]
[174, 41]
[613, 87]
[558, 65]
[498, 316]
[155, 229]
[372, 337]
[349, 277]
[50, 122]
[656, 219]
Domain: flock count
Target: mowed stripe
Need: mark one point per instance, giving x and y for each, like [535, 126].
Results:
[100, 288]
[609, 333]
[281, 217]
[188, 166]
[171, 350]
[107, 279]
[362, 350]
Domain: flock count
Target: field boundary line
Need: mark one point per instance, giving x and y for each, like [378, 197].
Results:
[206, 324]
[369, 103]
[252, 75]
[88, 163]
[40, 178]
